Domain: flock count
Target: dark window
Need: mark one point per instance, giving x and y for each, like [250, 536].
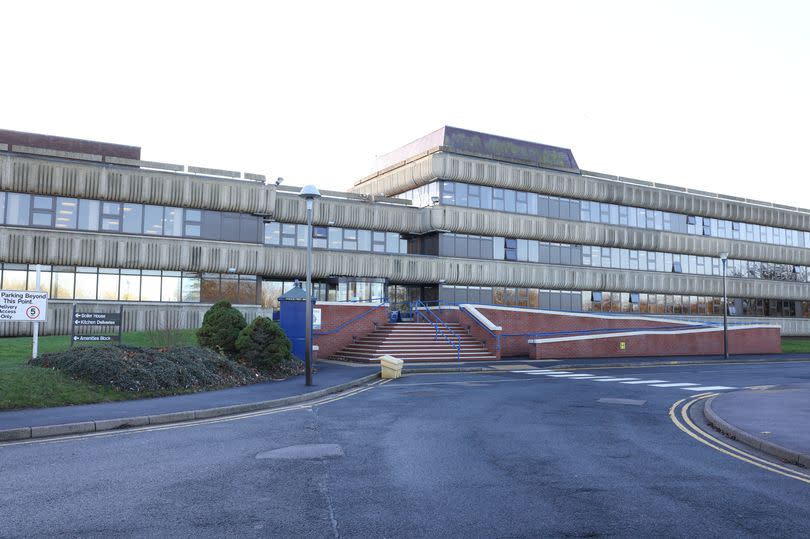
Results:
[634, 297]
[230, 227]
[676, 267]
[211, 225]
[690, 219]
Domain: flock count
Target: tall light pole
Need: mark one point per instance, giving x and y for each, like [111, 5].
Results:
[309, 193]
[724, 260]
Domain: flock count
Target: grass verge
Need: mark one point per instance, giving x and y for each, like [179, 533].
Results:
[24, 386]
[793, 345]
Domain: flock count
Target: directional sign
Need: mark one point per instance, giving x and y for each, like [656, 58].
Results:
[96, 319]
[25, 306]
[96, 338]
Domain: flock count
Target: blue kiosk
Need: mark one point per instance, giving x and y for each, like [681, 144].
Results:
[292, 318]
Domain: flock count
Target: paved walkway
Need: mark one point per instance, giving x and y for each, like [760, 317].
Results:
[775, 420]
[328, 375]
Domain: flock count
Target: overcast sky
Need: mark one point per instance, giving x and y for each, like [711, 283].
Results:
[712, 95]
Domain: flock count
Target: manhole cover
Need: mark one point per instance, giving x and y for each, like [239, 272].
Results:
[306, 451]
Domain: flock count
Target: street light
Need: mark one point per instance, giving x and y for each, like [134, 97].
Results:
[309, 193]
[724, 259]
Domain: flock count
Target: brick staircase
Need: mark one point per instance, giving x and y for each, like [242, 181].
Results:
[413, 342]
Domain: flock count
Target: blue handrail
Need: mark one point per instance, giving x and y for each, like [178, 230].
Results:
[439, 330]
[347, 322]
[497, 337]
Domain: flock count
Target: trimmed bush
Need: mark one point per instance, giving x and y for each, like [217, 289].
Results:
[264, 346]
[130, 368]
[220, 328]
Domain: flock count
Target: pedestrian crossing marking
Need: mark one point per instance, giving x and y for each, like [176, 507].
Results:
[689, 386]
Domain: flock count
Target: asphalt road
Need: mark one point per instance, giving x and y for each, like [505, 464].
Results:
[466, 455]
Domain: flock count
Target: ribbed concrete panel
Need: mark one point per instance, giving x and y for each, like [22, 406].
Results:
[485, 172]
[137, 317]
[492, 223]
[350, 214]
[106, 250]
[110, 182]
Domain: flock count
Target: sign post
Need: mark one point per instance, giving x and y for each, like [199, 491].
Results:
[25, 306]
[96, 320]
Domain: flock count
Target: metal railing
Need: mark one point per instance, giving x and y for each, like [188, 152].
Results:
[420, 309]
[495, 336]
[347, 322]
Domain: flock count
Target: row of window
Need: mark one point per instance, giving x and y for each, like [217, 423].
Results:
[20, 209]
[493, 198]
[108, 284]
[498, 248]
[622, 302]
[347, 239]
[344, 289]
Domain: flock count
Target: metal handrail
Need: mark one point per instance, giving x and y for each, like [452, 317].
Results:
[347, 322]
[497, 337]
[438, 330]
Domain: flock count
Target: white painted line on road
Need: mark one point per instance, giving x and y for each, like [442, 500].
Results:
[708, 388]
[570, 375]
[544, 372]
[615, 379]
[646, 382]
[675, 385]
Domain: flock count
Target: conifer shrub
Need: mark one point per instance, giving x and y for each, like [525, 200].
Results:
[220, 328]
[263, 345]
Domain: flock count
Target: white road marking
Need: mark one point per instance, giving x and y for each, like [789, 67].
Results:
[682, 384]
[646, 382]
[615, 379]
[544, 372]
[570, 375]
[708, 388]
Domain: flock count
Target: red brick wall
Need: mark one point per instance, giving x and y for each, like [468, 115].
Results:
[526, 321]
[333, 316]
[741, 341]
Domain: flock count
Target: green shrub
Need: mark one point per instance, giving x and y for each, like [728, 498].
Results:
[220, 328]
[130, 368]
[264, 345]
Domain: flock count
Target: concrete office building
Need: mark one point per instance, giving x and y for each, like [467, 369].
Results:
[454, 217]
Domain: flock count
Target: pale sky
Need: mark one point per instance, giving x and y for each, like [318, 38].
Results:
[711, 95]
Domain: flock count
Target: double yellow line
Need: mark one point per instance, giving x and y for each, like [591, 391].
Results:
[679, 414]
[184, 424]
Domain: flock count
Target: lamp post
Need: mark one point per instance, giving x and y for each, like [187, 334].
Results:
[309, 193]
[724, 260]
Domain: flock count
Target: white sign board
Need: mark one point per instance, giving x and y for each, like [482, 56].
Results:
[316, 319]
[20, 305]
